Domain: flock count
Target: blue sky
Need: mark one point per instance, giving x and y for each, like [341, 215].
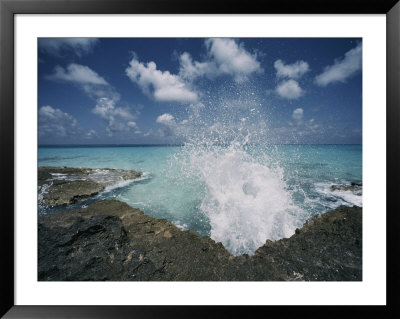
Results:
[171, 90]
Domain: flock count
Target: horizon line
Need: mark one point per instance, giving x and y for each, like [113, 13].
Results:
[178, 144]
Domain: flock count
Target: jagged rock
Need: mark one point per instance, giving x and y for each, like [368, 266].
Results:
[110, 240]
[92, 249]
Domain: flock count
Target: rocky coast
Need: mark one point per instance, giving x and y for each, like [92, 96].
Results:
[67, 185]
[109, 240]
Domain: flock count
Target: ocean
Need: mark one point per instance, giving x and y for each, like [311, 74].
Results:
[238, 194]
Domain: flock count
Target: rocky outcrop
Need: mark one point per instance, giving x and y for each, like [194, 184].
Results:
[355, 188]
[62, 192]
[110, 240]
[67, 185]
[327, 247]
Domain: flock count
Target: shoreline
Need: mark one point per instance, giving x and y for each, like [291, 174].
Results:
[111, 241]
[63, 186]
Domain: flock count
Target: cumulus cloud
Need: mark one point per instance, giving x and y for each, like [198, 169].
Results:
[232, 58]
[162, 86]
[169, 127]
[289, 89]
[293, 71]
[118, 119]
[56, 46]
[342, 69]
[166, 119]
[54, 122]
[83, 76]
[224, 56]
[191, 70]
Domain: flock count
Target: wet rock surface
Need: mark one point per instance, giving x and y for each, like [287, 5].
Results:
[109, 240]
[62, 192]
[67, 185]
[355, 188]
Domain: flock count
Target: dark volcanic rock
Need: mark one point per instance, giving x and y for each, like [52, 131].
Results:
[66, 185]
[96, 249]
[328, 247]
[155, 249]
[109, 240]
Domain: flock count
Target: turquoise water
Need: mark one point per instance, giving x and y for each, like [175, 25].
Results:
[239, 195]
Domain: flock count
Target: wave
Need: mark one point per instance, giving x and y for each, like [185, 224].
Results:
[124, 183]
[340, 196]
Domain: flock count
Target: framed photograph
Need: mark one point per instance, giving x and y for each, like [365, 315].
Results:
[165, 155]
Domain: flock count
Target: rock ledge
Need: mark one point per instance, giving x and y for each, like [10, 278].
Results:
[67, 185]
[109, 240]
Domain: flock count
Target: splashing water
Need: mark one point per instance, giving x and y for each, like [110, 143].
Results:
[245, 201]
[245, 197]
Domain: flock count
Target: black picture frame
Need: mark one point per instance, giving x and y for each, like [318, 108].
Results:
[9, 8]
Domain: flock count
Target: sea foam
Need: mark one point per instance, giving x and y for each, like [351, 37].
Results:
[125, 182]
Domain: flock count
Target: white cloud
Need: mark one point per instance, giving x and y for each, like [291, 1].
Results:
[297, 116]
[78, 46]
[172, 127]
[294, 71]
[163, 86]
[224, 56]
[118, 119]
[90, 81]
[232, 58]
[54, 122]
[289, 89]
[78, 74]
[342, 69]
[191, 70]
[166, 119]
[169, 125]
